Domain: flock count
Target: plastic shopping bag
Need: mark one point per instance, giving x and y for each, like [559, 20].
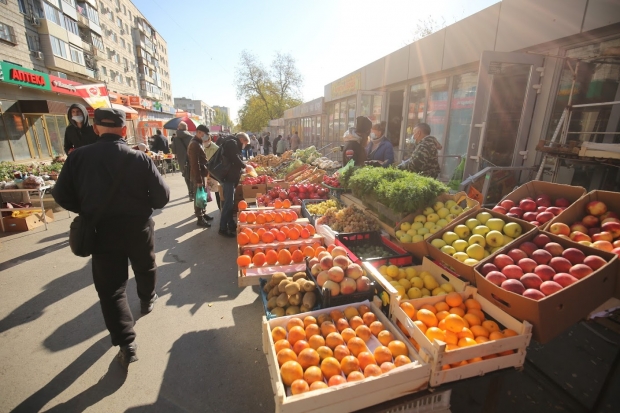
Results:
[201, 198]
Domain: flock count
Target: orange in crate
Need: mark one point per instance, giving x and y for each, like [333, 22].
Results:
[304, 233]
[242, 216]
[250, 218]
[242, 238]
[319, 250]
[267, 237]
[311, 230]
[254, 238]
[309, 251]
[286, 203]
[281, 236]
[261, 231]
[260, 219]
[293, 248]
[297, 256]
[244, 261]
[284, 257]
[242, 205]
[293, 234]
[277, 218]
[285, 229]
[268, 217]
[271, 257]
[259, 259]
[277, 204]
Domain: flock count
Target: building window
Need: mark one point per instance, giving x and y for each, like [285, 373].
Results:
[115, 37]
[71, 25]
[130, 17]
[70, 2]
[33, 42]
[97, 41]
[124, 10]
[125, 63]
[104, 70]
[126, 28]
[128, 81]
[77, 55]
[111, 16]
[52, 14]
[91, 13]
[123, 42]
[59, 48]
[115, 58]
[119, 22]
[7, 33]
[22, 6]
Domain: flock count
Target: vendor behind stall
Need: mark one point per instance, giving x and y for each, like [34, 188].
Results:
[356, 140]
[379, 151]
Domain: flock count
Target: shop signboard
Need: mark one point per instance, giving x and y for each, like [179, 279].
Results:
[64, 86]
[346, 86]
[134, 101]
[96, 95]
[21, 76]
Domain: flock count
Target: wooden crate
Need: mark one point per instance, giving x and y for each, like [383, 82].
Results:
[252, 277]
[435, 352]
[349, 200]
[269, 225]
[346, 397]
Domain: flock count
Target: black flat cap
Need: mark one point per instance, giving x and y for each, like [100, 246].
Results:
[112, 118]
[202, 128]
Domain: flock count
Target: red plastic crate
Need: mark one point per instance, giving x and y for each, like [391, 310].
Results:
[399, 258]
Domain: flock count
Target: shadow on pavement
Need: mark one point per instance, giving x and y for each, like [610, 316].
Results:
[215, 370]
[34, 254]
[63, 236]
[83, 327]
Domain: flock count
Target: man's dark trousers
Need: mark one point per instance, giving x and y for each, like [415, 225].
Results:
[119, 240]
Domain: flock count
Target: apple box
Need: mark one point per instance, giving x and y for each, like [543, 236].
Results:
[419, 249]
[577, 211]
[29, 223]
[347, 397]
[461, 269]
[251, 191]
[534, 189]
[553, 314]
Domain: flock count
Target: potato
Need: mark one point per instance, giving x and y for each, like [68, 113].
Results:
[282, 300]
[277, 312]
[299, 275]
[271, 304]
[295, 299]
[292, 310]
[282, 285]
[292, 288]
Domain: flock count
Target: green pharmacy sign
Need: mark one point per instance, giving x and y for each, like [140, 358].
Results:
[21, 76]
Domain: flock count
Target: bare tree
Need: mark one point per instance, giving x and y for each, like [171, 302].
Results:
[426, 26]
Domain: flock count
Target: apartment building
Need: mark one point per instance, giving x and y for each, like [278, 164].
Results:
[197, 107]
[55, 45]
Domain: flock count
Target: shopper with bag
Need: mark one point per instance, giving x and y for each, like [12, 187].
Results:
[114, 189]
[212, 184]
[198, 172]
[179, 148]
[231, 148]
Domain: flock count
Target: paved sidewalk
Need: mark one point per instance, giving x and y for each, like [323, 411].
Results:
[200, 349]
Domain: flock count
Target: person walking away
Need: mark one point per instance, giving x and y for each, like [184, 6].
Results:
[231, 147]
[254, 145]
[79, 133]
[213, 186]
[125, 230]
[295, 142]
[260, 144]
[179, 148]
[198, 171]
[281, 147]
[160, 143]
[424, 159]
[267, 143]
[275, 144]
[379, 151]
[356, 140]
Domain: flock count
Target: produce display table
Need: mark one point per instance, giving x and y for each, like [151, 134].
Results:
[39, 191]
[162, 164]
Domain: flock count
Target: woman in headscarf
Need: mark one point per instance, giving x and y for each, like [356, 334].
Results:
[379, 151]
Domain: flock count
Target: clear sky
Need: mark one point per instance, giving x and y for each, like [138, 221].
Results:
[328, 38]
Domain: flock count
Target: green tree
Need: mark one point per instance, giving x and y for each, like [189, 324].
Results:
[221, 118]
[267, 93]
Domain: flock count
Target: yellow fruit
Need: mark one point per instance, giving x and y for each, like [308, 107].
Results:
[414, 293]
[405, 283]
[433, 333]
[392, 271]
[438, 291]
[471, 303]
[466, 342]
[427, 317]
[442, 306]
[417, 282]
[454, 300]
[401, 291]
[425, 292]
[351, 312]
[447, 287]
[388, 278]
[402, 274]
[430, 283]
[454, 323]
[411, 272]
[383, 270]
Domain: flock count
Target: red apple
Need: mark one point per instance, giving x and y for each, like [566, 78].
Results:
[578, 226]
[502, 260]
[579, 236]
[527, 205]
[590, 221]
[574, 255]
[496, 277]
[550, 287]
[541, 209]
[517, 211]
[544, 217]
[530, 216]
[544, 196]
[513, 286]
[616, 243]
[533, 294]
[594, 261]
[507, 204]
[554, 249]
[535, 223]
[603, 236]
[541, 240]
[609, 214]
[562, 202]
[487, 268]
[541, 256]
[545, 272]
[564, 279]
[517, 254]
[616, 251]
[528, 248]
[499, 209]
[603, 245]
[512, 215]
[512, 271]
[531, 280]
[596, 208]
[613, 228]
[580, 271]
[592, 231]
[560, 264]
[610, 220]
[543, 202]
[527, 264]
[554, 210]
[559, 228]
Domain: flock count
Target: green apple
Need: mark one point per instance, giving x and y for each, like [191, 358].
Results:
[462, 231]
[442, 223]
[428, 210]
[461, 256]
[405, 226]
[481, 230]
[400, 233]
[436, 229]
[420, 218]
[429, 224]
[417, 238]
[450, 217]
[472, 223]
[495, 239]
[438, 205]
[448, 249]
[443, 212]
[460, 245]
[508, 240]
[417, 225]
[512, 229]
[432, 218]
[475, 251]
[456, 210]
[414, 292]
[483, 217]
[450, 203]
[438, 243]
[477, 239]
[468, 208]
[405, 239]
[423, 231]
[412, 232]
[427, 236]
[495, 224]
[449, 237]
[486, 253]
[471, 262]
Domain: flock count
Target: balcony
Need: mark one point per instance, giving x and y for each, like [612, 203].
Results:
[93, 74]
[97, 54]
[151, 95]
[83, 19]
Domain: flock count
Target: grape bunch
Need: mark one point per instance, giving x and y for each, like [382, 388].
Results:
[322, 207]
[350, 219]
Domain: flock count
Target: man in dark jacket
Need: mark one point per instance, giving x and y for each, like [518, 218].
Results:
[160, 143]
[356, 140]
[198, 170]
[267, 143]
[79, 132]
[125, 230]
[275, 144]
[179, 148]
[231, 147]
[424, 159]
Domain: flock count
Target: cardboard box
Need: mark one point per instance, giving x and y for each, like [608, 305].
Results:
[555, 313]
[251, 191]
[462, 270]
[419, 249]
[533, 189]
[28, 223]
[577, 211]
[281, 184]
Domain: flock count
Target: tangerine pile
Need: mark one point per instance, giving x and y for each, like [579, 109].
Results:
[268, 216]
[278, 204]
[268, 236]
[457, 323]
[280, 255]
[315, 353]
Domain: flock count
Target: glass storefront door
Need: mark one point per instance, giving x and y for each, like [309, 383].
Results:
[372, 105]
[39, 138]
[395, 119]
[503, 109]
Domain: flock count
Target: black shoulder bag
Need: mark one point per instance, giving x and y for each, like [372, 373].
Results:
[218, 165]
[83, 230]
